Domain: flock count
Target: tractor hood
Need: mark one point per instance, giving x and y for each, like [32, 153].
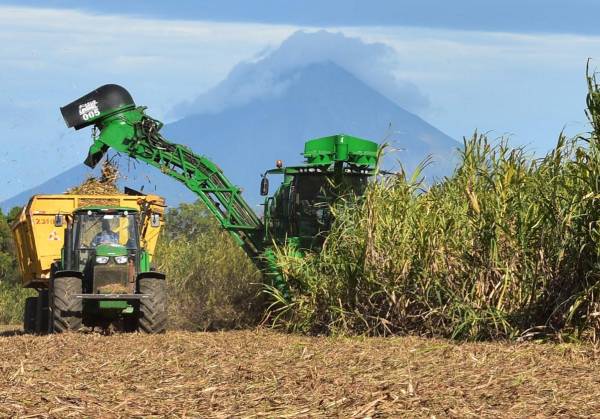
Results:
[111, 250]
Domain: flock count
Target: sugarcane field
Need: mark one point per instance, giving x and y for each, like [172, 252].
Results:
[341, 209]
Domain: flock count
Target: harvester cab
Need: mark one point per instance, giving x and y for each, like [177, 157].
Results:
[336, 167]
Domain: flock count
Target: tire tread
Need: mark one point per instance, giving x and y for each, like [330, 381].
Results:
[63, 301]
[153, 310]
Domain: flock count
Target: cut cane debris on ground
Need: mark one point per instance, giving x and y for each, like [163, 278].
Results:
[267, 374]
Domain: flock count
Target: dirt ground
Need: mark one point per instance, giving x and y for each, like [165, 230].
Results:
[268, 374]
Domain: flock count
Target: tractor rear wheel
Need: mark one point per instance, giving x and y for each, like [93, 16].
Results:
[153, 310]
[67, 310]
[29, 314]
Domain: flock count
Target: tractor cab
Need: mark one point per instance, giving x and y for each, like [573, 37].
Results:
[336, 167]
[105, 248]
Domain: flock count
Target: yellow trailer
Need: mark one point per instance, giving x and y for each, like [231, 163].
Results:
[89, 257]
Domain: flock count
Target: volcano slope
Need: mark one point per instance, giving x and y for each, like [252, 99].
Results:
[267, 374]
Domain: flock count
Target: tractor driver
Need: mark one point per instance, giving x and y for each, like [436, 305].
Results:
[106, 236]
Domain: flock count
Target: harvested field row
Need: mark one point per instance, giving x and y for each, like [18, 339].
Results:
[262, 373]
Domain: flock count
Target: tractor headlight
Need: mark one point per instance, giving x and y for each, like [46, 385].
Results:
[102, 260]
[121, 259]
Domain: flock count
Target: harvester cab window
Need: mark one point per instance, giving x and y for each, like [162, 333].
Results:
[312, 203]
[314, 193]
[321, 190]
[354, 184]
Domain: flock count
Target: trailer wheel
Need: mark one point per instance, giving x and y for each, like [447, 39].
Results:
[29, 314]
[42, 317]
[67, 310]
[153, 310]
[129, 324]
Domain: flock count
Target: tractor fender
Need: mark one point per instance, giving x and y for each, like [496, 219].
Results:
[62, 274]
[151, 274]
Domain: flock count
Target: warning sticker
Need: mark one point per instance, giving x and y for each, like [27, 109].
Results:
[53, 236]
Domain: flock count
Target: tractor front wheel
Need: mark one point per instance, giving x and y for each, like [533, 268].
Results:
[153, 309]
[67, 310]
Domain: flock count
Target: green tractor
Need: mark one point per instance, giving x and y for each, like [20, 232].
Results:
[104, 275]
[298, 214]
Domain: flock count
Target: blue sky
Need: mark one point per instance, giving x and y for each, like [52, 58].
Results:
[506, 67]
[525, 16]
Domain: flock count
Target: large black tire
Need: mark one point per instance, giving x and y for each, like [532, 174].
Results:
[67, 311]
[153, 310]
[129, 324]
[42, 321]
[29, 314]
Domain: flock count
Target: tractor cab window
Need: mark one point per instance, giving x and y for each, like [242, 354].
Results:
[94, 229]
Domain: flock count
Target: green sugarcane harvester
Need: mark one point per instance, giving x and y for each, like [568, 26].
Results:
[297, 214]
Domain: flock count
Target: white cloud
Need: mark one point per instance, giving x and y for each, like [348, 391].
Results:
[265, 74]
[84, 48]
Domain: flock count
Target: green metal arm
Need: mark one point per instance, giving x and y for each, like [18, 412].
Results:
[134, 133]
